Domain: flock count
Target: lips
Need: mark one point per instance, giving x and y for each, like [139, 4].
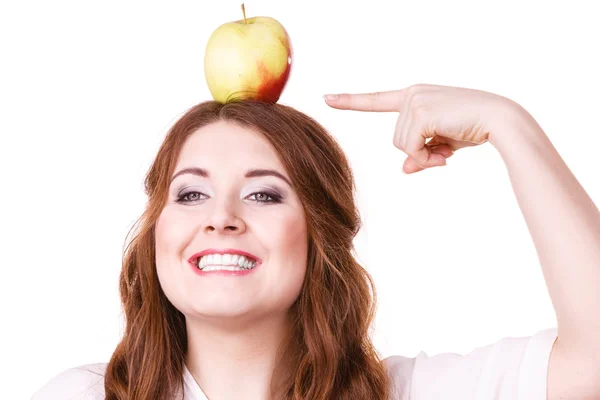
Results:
[194, 259]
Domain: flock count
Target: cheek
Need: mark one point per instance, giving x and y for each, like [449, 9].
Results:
[171, 234]
[292, 238]
[171, 237]
[291, 246]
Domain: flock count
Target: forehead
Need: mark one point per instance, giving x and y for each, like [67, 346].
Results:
[226, 144]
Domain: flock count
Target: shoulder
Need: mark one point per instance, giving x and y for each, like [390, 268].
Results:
[85, 382]
[400, 371]
[512, 368]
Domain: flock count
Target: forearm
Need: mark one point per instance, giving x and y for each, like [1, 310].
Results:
[564, 224]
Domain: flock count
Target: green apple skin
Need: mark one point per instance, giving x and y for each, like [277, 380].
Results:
[249, 59]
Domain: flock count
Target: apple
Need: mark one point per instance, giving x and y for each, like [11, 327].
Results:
[248, 59]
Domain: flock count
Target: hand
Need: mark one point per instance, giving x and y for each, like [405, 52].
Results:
[434, 121]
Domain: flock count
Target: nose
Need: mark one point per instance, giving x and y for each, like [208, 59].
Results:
[224, 220]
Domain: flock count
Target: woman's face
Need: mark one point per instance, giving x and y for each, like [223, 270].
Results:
[260, 215]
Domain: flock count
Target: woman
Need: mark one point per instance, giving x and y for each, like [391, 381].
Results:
[269, 188]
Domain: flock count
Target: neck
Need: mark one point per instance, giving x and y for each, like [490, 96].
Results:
[235, 359]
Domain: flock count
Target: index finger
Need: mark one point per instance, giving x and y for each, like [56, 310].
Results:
[377, 101]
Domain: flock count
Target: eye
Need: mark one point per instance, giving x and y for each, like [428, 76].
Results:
[188, 197]
[260, 197]
[275, 198]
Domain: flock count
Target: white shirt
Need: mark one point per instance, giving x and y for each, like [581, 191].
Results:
[510, 369]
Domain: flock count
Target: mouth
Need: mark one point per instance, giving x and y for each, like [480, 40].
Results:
[224, 259]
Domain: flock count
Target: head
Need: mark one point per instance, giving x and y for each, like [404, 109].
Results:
[207, 189]
[212, 203]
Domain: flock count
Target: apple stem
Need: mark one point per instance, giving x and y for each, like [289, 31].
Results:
[244, 12]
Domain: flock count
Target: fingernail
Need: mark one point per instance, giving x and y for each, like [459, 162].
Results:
[331, 96]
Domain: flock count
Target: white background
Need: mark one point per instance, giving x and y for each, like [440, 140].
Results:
[89, 89]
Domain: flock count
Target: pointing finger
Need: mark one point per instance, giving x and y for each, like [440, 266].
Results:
[378, 101]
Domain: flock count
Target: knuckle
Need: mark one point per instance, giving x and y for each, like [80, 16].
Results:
[396, 142]
[416, 88]
[416, 104]
[409, 101]
[399, 142]
[418, 91]
[412, 89]
[418, 110]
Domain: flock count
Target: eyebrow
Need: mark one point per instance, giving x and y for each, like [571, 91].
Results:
[251, 173]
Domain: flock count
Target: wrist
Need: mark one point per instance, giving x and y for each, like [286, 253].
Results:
[516, 130]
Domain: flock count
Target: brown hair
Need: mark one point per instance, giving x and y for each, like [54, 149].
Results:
[333, 356]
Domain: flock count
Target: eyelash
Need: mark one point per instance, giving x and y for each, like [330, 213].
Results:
[275, 198]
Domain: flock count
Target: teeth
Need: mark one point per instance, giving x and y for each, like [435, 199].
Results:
[229, 262]
[223, 268]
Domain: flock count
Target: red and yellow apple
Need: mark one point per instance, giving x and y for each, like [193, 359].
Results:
[248, 59]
